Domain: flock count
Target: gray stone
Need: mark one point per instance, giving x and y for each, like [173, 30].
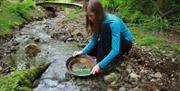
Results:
[129, 70]
[111, 77]
[134, 76]
[158, 75]
[109, 89]
[122, 89]
[1, 68]
[50, 82]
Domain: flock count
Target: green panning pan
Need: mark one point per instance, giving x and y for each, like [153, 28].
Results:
[80, 65]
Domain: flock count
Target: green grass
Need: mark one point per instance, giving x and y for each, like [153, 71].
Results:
[143, 38]
[147, 40]
[72, 13]
[176, 47]
[7, 20]
[13, 14]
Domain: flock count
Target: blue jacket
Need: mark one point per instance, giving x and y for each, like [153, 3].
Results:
[117, 26]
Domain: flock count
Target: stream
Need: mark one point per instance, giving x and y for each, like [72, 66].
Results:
[46, 35]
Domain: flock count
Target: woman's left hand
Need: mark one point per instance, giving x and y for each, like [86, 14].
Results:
[95, 69]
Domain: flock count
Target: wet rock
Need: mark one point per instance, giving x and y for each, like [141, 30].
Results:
[63, 38]
[173, 60]
[35, 83]
[32, 49]
[152, 86]
[129, 70]
[14, 48]
[1, 68]
[64, 30]
[122, 89]
[70, 39]
[111, 77]
[1, 54]
[76, 33]
[50, 83]
[134, 76]
[15, 43]
[137, 89]
[144, 71]
[114, 85]
[36, 40]
[109, 89]
[153, 80]
[78, 39]
[7, 50]
[158, 75]
[81, 45]
[56, 35]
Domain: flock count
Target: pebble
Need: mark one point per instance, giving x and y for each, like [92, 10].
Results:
[158, 75]
[122, 89]
[1, 68]
[134, 76]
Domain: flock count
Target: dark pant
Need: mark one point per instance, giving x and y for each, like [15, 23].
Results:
[103, 47]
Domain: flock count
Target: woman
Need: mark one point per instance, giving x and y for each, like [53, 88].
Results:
[110, 37]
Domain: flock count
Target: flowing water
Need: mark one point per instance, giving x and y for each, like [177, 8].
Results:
[53, 78]
[52, 50]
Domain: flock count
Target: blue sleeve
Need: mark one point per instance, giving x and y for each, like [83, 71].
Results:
[91, 44]
[126, 31]
[115, 29]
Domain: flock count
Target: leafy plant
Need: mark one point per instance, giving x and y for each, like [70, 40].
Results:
[21, 8]
[154, 23]
[13, 14]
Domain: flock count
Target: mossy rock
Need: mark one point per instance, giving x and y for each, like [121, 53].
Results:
[24, 89]
[21, 80]
[32, 49]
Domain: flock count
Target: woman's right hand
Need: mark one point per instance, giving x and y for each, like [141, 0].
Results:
[77, 53]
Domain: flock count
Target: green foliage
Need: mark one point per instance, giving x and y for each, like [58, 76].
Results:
[7, 21]
[126, 9]
[154, 23]
[176, 47]
[147, 39]
[16, 80]
[105, 3]
[72, 13]
[12, 14]
[25, 89]
[21, 8]
[21, 80]
[144, 39]
[150, 14]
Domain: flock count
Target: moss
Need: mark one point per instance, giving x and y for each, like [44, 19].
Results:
[148, 40]
[73, 13]
[67, 78]
[24, 89]
[145, 38]
[15, 14]
[21, 80]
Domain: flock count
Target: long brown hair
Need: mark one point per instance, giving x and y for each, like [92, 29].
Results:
[96, 7]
